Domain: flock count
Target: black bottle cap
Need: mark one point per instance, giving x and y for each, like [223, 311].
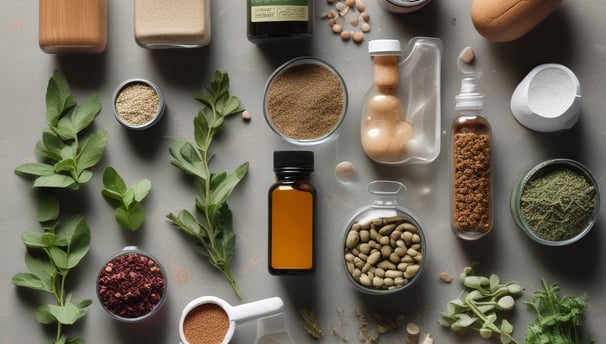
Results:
[303, 160]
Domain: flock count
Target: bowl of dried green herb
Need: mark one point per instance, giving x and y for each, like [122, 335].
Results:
[556, 202]
[305, 101]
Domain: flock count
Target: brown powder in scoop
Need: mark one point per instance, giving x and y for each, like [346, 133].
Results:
[306, 101]
[206, 324]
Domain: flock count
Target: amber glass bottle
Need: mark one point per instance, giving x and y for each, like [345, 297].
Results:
[292, 202]
[278, 19]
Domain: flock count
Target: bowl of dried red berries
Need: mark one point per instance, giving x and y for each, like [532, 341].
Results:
[131, 286]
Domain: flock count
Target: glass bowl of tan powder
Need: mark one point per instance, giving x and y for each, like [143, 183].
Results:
[138, 103]
[556, 202]
[305, 101]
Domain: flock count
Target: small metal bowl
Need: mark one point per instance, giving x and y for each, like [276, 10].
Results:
[134, 114]
[143, 290]
[325, 135]
[538, 170]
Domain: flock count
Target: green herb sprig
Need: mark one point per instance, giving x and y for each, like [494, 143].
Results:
[51, 256]
[212, 223]
[478, 305]
[127, 200]
[66, 153]
[558, 319]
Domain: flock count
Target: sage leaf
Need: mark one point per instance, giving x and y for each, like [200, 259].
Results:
[84, 115]
[58, 98]
[77, 234]
[222, 191]
[44, 316]
[142, 189]
[92, 149]
[38, 240]
[50, 146]
[66, 314]
[132, 218]
[48, 207]
[56, 180]
[35, 169]
[31, 281]
[112, 182]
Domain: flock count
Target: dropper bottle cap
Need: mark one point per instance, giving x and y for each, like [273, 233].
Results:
[470, 97]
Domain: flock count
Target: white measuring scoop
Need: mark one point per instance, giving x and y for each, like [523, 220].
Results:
[236, 314]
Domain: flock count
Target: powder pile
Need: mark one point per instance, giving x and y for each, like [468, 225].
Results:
[206, 324]
[137, 103]
[306, 101]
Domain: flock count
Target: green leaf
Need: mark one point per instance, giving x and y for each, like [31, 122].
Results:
[66, 165]
[187, 223]
[44, 316]
[34, 169]
[142, 189]
[85, 176]
[75, 340]
[48, 207]
[91, 151]
[185, 157]
[58, 98]
[50, 146]
[59, 258]
[113, 183]
[38, 240]
[67, 314]
[31, 281]
[59, 181]
[222, 191]
[84, 115]
[77, 234]
[132, 218]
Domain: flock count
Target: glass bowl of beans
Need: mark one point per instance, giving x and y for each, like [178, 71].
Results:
[132, 285]
[556, 202]
[305, 101]
[138, 104]
[384, 247]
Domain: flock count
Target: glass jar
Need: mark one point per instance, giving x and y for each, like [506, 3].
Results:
[172, 23]
[278, 19]
[401, 257]
[292, 206]
[72, 26]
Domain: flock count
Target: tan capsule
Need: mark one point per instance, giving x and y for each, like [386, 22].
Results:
[365, 248]
[365, 281]
[394, 273]
[387, 229]
[352, 239]
[386, 251]
[364, 235]
[379, 272]
[356, 273]
[373, 259]
[377, 282]
[394, 258]
[386, 265]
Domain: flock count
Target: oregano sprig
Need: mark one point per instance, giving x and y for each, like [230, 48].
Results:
[212, 222]
[66, 153]
[127, 200]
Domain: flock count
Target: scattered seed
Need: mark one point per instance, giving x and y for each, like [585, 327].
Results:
[467, 55]
[365, 27]
[337, 28]
[360, 6]
[246, 115]
[445, 277]
[358, 37]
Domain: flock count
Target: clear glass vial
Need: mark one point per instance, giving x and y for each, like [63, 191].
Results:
[278, 19]
[172, 23]
[72, 26]
[292, 205]
[471, 165]
[403, 6]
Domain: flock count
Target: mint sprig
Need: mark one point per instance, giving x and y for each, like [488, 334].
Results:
[129, 211]
[212, 222]
[66, 153]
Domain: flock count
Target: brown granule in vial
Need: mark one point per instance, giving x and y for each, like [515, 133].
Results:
[206, 324]
[472, 182]
[137, 103]
[131, 285]
[306, 101]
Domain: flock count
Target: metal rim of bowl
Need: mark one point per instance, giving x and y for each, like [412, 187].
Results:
[517, 192]
[296, 62]
[383, 211]
[157, 116]
[134, 250]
